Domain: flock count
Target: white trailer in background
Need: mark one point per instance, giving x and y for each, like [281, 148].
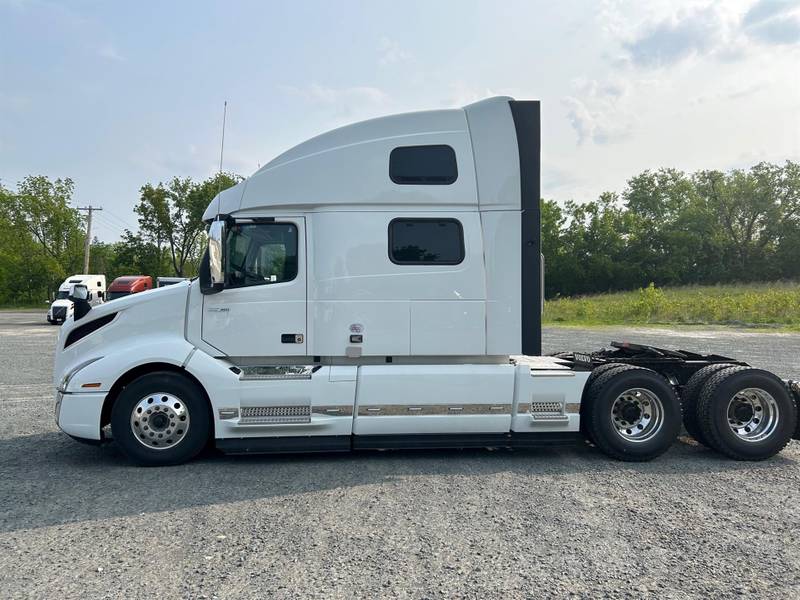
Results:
[62, 307]
[380, 286]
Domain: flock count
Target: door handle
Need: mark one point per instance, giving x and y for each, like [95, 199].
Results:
[218, 309]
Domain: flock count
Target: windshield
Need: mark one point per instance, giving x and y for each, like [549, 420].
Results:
[114, 295]
[62, 295]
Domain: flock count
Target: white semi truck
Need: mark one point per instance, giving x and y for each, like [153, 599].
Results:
[380, 286]
[61, 308]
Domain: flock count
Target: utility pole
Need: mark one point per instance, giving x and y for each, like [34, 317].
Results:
[87, 244]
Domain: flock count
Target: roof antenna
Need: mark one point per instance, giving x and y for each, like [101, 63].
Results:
[221, 151]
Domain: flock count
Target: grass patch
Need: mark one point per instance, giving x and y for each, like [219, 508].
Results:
[765, 305]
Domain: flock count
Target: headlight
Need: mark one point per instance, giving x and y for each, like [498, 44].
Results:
[73, 371]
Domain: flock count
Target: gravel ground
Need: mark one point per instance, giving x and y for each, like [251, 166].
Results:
[77, 521]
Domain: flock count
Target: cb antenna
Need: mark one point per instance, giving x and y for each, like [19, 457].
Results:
[221, 152]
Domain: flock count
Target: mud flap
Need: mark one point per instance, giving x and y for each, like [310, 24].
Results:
[794, 386]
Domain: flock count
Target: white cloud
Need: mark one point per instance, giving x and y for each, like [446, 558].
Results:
[320, 94]
[678, 37]
[597, 111]
[13, 102]
[109, 52]
[773, 22]
[719, 30]
[391, 52]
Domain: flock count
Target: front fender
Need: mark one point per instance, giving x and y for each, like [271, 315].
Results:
[102, 374]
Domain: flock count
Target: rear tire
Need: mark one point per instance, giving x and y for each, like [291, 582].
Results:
[633, 414]
[161, 418]
[691, 394]
[585, 400]
[746, 414]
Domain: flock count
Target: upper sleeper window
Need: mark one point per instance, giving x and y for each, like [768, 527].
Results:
[423, 165]
[426, 242]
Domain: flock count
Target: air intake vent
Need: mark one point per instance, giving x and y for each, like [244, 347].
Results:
[81, 332]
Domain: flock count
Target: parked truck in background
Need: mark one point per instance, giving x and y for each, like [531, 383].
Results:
[61, 308]
[127, 285]
[380, 286]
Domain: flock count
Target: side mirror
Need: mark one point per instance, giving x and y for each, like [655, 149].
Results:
[212, 274]
[79, 296]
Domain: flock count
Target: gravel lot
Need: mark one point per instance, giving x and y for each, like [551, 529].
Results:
[77, 521]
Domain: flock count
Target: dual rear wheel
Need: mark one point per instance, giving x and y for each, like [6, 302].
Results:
[632, 413]
[741, 412]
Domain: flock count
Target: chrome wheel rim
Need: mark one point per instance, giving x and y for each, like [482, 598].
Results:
[160, 421]
[753, 414]
[637, 415]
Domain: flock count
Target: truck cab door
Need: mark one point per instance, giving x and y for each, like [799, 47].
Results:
[262, 310]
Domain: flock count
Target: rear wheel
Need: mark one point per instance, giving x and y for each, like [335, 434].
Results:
[585, 402]
[161, 418]
[746, 414]
[690, 395]
[633, 414]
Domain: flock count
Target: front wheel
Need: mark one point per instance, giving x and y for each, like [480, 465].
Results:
[161, 418]
[633, 414]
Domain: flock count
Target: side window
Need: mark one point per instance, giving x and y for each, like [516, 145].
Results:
[261, 253]
[423, 165]
[426, 241]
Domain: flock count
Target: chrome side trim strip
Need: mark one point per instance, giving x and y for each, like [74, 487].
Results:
[396, 410]
[333, 411]
[565, 373]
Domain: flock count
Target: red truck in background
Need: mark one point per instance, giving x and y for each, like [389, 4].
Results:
[128, 284]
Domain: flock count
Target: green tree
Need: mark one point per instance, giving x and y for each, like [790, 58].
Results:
[171, 216]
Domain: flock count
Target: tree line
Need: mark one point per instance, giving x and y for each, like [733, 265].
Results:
[672, 228]
[666, 227]
[42, 236]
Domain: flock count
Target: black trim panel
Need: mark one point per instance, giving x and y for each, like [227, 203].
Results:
[285, 445]
[344, 443]
[81, 332]
[464, 440]
[527, 122]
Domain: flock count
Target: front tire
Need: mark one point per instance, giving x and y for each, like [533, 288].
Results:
[161, 418]
[633, 414]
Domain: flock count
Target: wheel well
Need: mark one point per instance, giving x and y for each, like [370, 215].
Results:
[129, 376]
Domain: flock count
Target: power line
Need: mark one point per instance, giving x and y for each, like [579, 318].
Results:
[87, 244]
[123, 222]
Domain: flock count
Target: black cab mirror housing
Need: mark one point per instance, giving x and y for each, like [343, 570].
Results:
[79, 296]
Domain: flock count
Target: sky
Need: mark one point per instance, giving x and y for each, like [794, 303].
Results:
[118, 94]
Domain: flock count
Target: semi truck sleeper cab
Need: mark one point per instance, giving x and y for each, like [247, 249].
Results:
[380, 286]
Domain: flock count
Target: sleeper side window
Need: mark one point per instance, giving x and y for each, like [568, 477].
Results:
[423, 165]
[261, 253]
[426, 241]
